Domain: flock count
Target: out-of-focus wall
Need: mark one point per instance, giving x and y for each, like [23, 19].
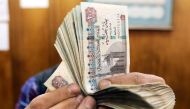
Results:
[164, 53]
[6, 92]
[32, 36]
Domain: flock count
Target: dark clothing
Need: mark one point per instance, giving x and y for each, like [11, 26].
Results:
[34, 87]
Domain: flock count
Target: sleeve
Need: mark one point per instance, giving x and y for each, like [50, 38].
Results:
[34, 87]
[28, 92]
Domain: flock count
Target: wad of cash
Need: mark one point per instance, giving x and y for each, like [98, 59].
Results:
[93, 43]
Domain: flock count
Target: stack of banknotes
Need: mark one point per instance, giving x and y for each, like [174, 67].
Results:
[93, 43]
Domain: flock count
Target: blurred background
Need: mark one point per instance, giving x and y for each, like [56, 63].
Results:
[27, 35]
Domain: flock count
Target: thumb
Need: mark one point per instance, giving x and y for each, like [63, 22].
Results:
[130, 79]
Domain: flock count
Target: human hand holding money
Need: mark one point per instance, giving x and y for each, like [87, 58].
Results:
[69, 96]
[93, 43]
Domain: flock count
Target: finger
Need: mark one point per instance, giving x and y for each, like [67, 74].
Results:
[88, 103]
[131, 78]
[49, 99]
[71, 103]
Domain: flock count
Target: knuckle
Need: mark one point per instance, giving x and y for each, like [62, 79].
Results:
[63, 93]
[67, 92]
[138, 78]
[37, 103]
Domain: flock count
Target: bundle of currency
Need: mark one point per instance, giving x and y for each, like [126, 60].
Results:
[93, 42]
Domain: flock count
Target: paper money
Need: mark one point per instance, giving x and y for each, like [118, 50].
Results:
[97, 46]
[105, 42]
[93, 43]
[143, 96]
[58, 78]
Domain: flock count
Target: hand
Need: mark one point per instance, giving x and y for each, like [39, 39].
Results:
[67, 97]
[131, 78]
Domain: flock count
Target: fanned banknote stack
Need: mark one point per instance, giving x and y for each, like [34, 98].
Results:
[93, 42]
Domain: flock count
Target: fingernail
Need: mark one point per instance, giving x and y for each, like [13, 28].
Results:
[104, 84]
[74, 89]
[90, 103]
[79, 98]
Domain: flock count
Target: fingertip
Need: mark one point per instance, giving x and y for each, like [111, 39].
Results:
[154, 78]
[141, 78]
[90, 103]
[74, 89]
